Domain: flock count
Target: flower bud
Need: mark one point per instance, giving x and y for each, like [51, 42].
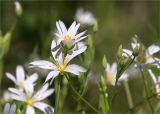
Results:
[18, 8]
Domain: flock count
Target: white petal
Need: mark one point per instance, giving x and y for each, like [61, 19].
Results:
[75, 69]
[153, 49]
[74, 54]
[60, 59]
[75, 29]
[12, 109]
[127, 53]
[114, 67]
[43, 95]
[81, 38]
[63, 27]
[17, 97]
[80, 34]
[52, 75]
[43, 107]
[20, 74]
[29, 89]
[71, 28]
[6, 108]
[32, 78]
[30, 110]
[59, 29]
[123, 77]
[44, 88]
[10, 76]
[42, 64]
[16, 91]
[108, 68]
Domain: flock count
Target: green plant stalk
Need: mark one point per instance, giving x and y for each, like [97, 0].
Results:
[57, 92]
[128, 94]
[146, 90]
[85, 101]
[1, 74]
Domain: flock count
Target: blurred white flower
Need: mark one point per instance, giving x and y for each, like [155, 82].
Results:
[68, 37]
[145, 57]
[33, 100]
[111, 72]
[155, 81]
[18, 8]
[21, 79]
[84, 17]
[60, 64]
[6, 96]
[9, 109]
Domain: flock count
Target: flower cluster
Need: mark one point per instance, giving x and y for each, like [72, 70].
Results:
[64, 48]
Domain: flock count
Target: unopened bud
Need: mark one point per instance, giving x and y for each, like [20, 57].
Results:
[18, 8]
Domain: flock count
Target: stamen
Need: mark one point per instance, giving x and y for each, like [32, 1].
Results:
[67, 37]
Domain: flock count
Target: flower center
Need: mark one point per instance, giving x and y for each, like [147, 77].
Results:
[142, 58]
[110, 78]
[61, 68]
[67, 37]
[29, 101]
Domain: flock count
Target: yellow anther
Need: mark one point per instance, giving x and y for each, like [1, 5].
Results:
[29, 101]
[110, 78]
[67, 37]
[61, 68]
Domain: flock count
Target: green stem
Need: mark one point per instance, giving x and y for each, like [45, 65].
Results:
[128, 94]
[146, 89]
[1, 75]
[124, 68]
[57, 92]
[85, 101]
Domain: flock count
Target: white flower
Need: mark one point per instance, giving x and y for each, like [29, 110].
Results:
[6, 96]
[111, 72]
[155, 81]
[68, 37]
[60, 64]
[145, 57]
[20, 80]
[9, 109]
[31, 99]
[84, 17]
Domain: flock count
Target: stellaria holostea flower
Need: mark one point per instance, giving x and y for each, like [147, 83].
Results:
[21, 79]
[31, 99]
[84, 17]
[111, 72]
[68, 37]
[144, 57]
[60, 64]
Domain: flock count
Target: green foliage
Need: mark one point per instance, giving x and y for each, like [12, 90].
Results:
[4, 44]
[103, 102]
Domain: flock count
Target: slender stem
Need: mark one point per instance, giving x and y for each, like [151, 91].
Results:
[1, 75]
[146, 89]
[128, 94]
[124, 68]
[57, 91]
[85, 101]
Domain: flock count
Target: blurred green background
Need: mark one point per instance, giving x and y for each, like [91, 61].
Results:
[118, 22]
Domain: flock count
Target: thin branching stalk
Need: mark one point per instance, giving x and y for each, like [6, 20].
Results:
[146, 89]
[57, 91]
[85, 101]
